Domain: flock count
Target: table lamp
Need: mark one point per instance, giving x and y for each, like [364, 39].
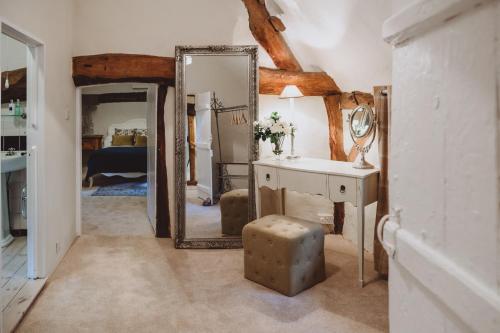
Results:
[291, 92]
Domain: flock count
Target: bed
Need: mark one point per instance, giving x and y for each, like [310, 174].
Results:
[123, 161]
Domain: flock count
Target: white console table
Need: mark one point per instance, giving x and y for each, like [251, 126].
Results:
[338, 181]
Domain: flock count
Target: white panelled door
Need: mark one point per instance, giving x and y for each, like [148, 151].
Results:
[443, 235]
[203, 142]
[151, 177]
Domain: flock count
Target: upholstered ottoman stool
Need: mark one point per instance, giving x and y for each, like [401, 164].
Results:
[234, 211]
[284, 253]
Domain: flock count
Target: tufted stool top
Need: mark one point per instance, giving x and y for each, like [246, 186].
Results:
[234, 211]
[284, 226]
[284, 253]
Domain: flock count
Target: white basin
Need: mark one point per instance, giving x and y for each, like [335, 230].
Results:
[12, 163]
[9, 164]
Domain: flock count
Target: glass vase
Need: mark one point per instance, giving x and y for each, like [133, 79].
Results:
[277, 147]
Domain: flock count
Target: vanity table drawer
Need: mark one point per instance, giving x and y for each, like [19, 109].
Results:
[304, 182]
[267, 177]
[343, 189]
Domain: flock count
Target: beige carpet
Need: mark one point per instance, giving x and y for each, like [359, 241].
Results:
[124, 283]
[201, 221]
[115, 216]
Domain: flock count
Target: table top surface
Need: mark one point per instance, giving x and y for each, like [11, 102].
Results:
[316, 165]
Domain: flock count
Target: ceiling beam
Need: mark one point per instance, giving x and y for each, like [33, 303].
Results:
[124, 97]
[266, 31]
[111, 68]
[272, 82]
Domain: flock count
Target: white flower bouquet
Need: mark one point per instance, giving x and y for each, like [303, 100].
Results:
[274, 129]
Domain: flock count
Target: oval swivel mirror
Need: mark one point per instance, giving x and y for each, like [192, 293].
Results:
[363, 129]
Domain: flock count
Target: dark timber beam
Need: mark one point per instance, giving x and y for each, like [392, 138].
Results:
[162, 206]
[113, 68]
[95, 99]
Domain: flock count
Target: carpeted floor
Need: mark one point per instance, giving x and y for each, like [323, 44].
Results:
[114, 282]
[201, 221]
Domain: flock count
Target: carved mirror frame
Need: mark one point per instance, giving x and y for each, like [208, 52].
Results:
[180, 143]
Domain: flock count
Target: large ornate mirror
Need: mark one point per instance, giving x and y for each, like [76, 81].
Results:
[216, 105]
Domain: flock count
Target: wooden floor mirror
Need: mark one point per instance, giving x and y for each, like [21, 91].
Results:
[216, 105]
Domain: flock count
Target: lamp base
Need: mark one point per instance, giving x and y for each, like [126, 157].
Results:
[292, 157]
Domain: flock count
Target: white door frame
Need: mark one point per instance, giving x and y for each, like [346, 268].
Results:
[35, 101]
[78, 155]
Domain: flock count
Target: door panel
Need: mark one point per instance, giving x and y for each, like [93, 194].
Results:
[151, 177]
[204, 152]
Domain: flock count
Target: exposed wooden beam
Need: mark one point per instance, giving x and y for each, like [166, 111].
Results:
[383, 110]
[336, 131]
[350, 100]
[17, 82]
[277, 24]
[94, 99]
[272, 82]
[162, 206]
[109, 68]
[336, 127]
[265, 32]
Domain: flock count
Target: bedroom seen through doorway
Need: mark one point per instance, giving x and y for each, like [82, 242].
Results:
[118, 154]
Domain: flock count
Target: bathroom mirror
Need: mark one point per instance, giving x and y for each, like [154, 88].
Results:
[216, 105]
[363, 128]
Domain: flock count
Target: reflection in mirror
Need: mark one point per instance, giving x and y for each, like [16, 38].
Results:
[361, 121]
[217, 144]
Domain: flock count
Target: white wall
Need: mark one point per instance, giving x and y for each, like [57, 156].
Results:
[107, 114]
[52, 22]
[13, 53]
[444, 171]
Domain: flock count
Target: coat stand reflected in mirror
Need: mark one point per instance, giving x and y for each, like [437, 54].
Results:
[291, 92]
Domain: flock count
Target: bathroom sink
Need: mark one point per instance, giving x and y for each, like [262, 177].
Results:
[9, 164]
[12, 163]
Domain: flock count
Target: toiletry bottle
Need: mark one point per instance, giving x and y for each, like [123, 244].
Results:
[18, 107]
[11, 107]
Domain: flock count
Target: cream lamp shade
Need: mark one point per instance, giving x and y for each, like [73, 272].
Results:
[291, 91]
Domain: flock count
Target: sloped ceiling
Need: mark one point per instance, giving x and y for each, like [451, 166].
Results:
[341, 37]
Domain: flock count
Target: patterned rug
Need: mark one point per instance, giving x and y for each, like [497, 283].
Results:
[132, 189]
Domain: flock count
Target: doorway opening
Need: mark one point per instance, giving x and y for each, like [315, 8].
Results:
[118, 159]
[21, 131]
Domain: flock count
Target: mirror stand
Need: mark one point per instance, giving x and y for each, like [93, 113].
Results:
[362, 163]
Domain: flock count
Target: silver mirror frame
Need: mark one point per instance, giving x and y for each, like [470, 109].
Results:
[360, 145]
[180, 143]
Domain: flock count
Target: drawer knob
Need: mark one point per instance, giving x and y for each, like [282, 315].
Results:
[268, 177]
[342, 189]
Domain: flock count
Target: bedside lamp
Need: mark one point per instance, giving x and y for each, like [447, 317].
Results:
[291, 92]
